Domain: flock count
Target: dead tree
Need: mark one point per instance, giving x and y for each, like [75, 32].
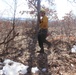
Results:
[9, 39]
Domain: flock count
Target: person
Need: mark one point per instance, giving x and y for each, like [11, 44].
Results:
[43, 30]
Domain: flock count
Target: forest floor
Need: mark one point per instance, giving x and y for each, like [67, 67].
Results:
[58, 60]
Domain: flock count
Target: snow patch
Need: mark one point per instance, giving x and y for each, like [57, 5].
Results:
[34, 69]
[1, 72]
[15, 68]
[73, 50]
[44, 69]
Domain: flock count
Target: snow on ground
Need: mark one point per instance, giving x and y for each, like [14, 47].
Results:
[34, 69]
[15, 68]
[73, 50]
[9, 67]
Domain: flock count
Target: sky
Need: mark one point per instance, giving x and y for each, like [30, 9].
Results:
[6, 6]
[63, 7]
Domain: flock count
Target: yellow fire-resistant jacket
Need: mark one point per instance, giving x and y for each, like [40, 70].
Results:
[44, 23]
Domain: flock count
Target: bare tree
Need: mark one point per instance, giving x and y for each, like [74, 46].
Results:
[8, 40]
[35, 5]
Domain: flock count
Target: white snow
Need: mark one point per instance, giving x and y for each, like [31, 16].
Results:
[1, 72]
[34, 69]
[15, 68]
[72, 65]
[44, 69]
[73, 50]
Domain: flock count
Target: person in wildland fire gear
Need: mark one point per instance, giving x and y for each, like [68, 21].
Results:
[43, 30]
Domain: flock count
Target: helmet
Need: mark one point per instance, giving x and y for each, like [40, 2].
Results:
[42, 10]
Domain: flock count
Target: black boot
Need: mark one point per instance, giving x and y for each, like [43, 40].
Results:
[49, 45]
[41, 51]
